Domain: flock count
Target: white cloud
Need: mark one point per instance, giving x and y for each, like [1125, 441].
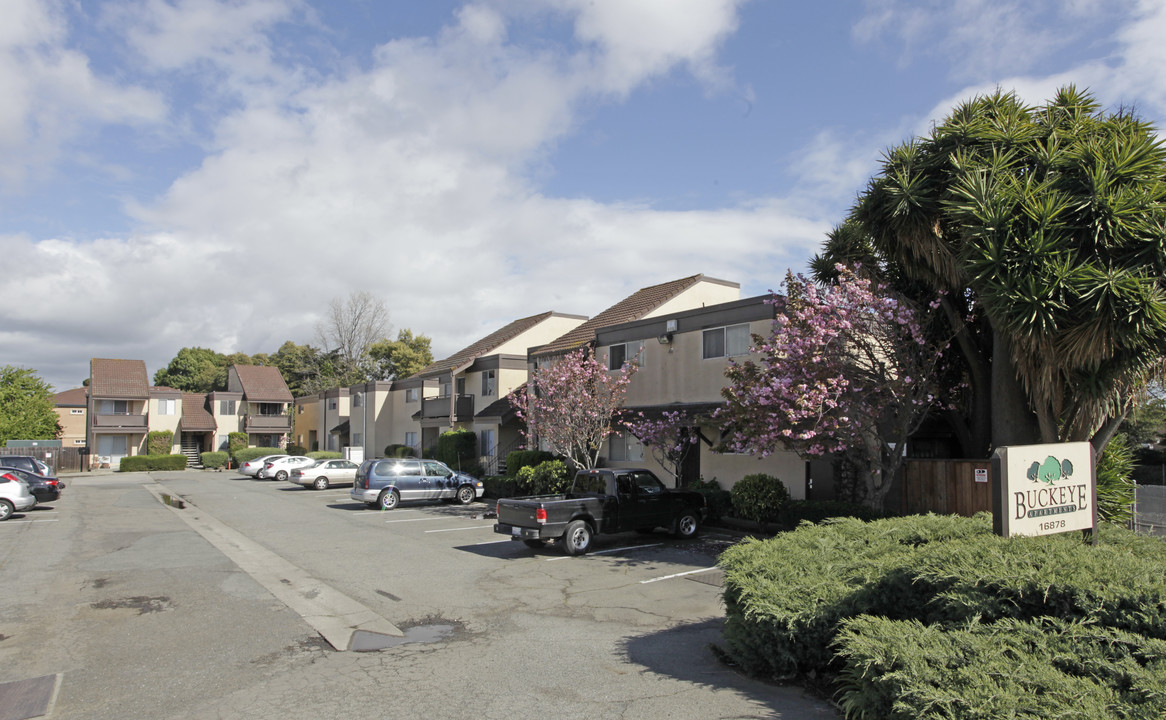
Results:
[51, 95]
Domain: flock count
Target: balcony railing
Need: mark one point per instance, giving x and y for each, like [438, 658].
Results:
[267, 423]
[438, 407]
[118, 421]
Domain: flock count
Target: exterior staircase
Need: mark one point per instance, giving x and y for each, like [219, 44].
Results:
[191, 450]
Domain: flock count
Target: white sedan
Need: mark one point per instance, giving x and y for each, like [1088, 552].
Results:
[281, 468]
[252, 467]
[325, 473]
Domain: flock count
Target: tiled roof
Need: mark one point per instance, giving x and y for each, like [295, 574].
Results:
[195, 416]
[77, 397]
[262, 383]
[118, 379]
[483, 346]
[633, 307]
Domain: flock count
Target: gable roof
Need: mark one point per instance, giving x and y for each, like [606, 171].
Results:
[483, 346]
[77, 397]
[633, 307]
[118, 379]
[195, 416]
[262, 383]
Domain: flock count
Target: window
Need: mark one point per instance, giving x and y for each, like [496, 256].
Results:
[488, 447]
[75, 411]
[114, 407]
[489, 382]
[357, 439]
[224, 443]
[166, 407]
[445, 389]
[411, 395]
[78, 442]
[331, 404]
[624, 447]
[620, 355]
[358, 400]
[411, 439]
[226, 407]
[726, 341]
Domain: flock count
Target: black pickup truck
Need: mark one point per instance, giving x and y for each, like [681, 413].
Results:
[609, 500]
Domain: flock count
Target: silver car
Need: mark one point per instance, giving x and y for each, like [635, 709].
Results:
[324, 474]
[14, 495]
[252, 467]
[280, 468]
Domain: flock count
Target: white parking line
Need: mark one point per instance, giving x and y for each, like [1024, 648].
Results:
[476, 527]
[607, 552]
[387, 522]
[18, 522]
[669, 577]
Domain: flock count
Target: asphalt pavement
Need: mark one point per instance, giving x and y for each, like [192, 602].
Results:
[220, 609]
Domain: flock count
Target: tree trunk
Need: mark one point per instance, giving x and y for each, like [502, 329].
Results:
[1013, 421]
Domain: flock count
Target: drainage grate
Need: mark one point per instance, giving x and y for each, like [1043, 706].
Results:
[26, 698]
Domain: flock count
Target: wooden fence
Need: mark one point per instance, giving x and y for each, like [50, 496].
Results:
[60, 459]
[947, 487]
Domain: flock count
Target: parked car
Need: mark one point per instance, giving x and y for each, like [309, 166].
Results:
[26, 463]
[325, 473]
[15, 495]
[252, 467]
[45, 489]
[386, 482]
[280, 468]
[601, 501]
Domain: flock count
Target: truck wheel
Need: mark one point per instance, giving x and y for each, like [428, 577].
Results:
[577, 538]
[687, 525]
[536, 544]
[388, 500]
[466, 494]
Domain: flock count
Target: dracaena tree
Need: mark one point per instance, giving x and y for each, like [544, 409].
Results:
[846, 370]
[668, 437]
[571, 404]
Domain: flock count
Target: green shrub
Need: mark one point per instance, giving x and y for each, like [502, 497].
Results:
[759, 498]
[325, 455]
[787, 598]
[498, 486]
[718, 502]
[399, 451]
[296, 450]
[140, 463]
[237, 441]
[1044, 669]
[242, 455]
[816, 511]
[214, 460]
[518, 459]
[1115, 481]
[458, 449]
[547, 478]
[159, 442]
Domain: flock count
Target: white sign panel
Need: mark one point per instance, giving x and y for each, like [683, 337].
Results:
[1044, 489]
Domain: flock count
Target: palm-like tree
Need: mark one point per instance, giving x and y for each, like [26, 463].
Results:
[1046, 228]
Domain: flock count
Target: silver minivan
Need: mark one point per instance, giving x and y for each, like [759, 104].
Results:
[386, 482]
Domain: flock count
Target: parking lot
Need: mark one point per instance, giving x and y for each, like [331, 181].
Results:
[256, 598]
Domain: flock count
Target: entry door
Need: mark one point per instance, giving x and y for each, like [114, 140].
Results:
[112, 446]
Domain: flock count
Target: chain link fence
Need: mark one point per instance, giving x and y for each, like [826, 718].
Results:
[1150, 510]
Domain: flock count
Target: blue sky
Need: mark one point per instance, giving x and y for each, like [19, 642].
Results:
[213, 172]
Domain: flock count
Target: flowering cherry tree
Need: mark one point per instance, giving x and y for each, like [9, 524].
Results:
[847, 369]
[571, 404]
[669, 437]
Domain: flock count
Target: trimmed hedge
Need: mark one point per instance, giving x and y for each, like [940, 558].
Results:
[325, 455]
[458, 449]
[296, 450]
[1041, 669]
[546, 478]
[789, 599]
[397, 450]
[214, 460]
[159, 442]
[139, 463]
[718, 502]
[518, 459]
[498, 486]
[759, 498]
[242, 455]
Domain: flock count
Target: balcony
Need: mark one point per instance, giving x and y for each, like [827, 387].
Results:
[267, 424]
[438, 407]
[119, 422]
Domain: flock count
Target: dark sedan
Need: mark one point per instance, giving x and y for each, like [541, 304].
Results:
[45, 489]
